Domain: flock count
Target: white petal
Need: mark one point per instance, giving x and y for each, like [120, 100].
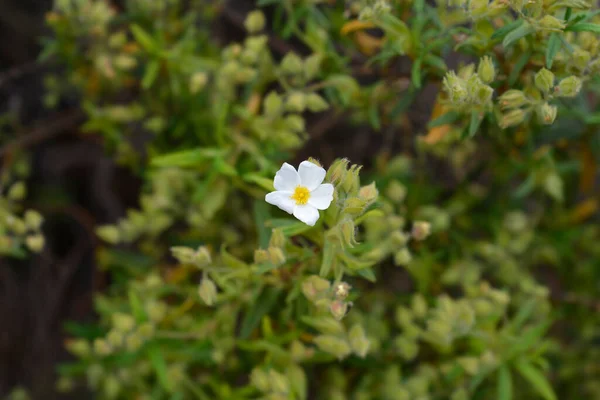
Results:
[321, 197]
[282, 200]
[311, 175]
[307, 214]
[286, 178]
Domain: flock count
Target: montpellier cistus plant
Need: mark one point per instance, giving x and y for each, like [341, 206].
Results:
[459, 264]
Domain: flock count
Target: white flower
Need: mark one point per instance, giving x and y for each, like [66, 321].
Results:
[301, 193]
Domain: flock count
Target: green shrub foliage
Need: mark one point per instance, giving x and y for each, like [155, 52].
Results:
[480, 282]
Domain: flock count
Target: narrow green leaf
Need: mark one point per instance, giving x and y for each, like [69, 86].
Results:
[289, 227]
[518, 67]
[536, 378]
[263, 304]
[505, 391]
[329, 250]
[143, 38]
[150, 74]
[444, 119]
[506, 29]
[516, 34]
[584, 27]
[264, 183]
[522, 315]
[416, 73]
[160, 366]
[367, 273]
[186, 158]
[261, 215]
[552, 49]
[435, 61]
[137, 309]
[475, 122]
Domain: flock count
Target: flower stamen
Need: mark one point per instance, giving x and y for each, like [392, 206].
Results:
[301, 195]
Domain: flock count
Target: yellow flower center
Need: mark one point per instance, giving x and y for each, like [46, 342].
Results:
[301, 195]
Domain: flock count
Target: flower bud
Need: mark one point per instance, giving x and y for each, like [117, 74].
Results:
[408, 348]
[547, 113]
[277, 238]
[314, 287]
[260, 380]
[512, 118]
[351, 181]
[276, 256]
[292, 64]
[101, 347]
[544, 80]
[33, 219]
[420, 230]
[316, 103]
[272, 104]
[402, 257]
[198, 82]
[115, 338]
[208, 291]
[512, 99]
[78, 347]
[35, 242]
[17, 191]
[354, 206]
[580, 59]
[156, 310]
[469, 364]
[348, 232]
[295, 123]
[455, 87]
[419, 306]
[255, 21]
[261, 256]
[123, 322]
[185, 255]
[337, 171]
[486, 70]
[551, 23]
[399, 238]
[333, 345]
[338, 309]
[299, 351]
[396, 191]
[368, 193]
[358, 341]
[312, 65]
[569, 87]
[278, 382]
[296, 102]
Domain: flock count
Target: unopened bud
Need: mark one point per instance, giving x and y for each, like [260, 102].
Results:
[547, 113]
[408, 348]
[469, 364]
[314, 287]
[544, 80]
[198, 81]
[512, 99]
[569, 87]
[255, 21]
[338, 309]
[396, 191]
[296, 102]
[261, 256]
[399, 238]
[455, 87]
[420, 230]
[512, 118]
[316, 103]
[260, 380]
[33, 219]
[35, 242]
[78, 347]
[354, 206]
[277, 238]
[419, 306]
[208, 291]
[337, 171]
[486, 70]
[348, 232]
[295, 122]
[292, 64]
[123, 322]
[101, 347]
[551, 23]
[17, 191]
[358, 341]
[115, 338]
[185, 255]
[368, 193]
[580, 59]
[333, 345]
[276, 255]
[278, 382]
[351, 181]
[272, 104]
[402, 257]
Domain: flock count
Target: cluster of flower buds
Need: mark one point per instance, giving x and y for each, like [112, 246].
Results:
[469, 90]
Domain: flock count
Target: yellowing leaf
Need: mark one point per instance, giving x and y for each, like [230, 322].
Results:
[437, 133]
[355, 25]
